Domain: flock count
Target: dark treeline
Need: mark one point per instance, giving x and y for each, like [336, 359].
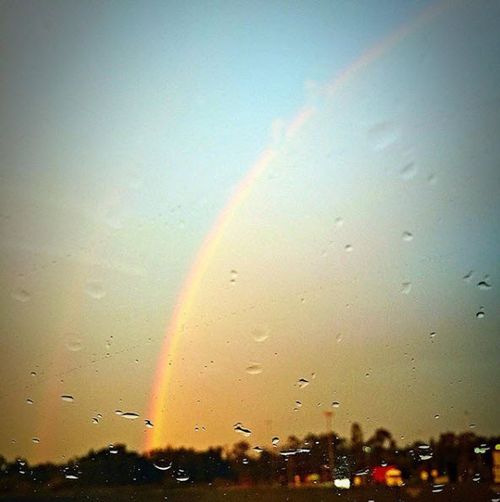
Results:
[459, 457]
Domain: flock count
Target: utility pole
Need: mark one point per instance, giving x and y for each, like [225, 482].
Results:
[331, 459]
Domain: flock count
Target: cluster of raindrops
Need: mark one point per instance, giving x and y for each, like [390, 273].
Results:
[437, 487]
[71, 472]
[181, 476]
[21, 466]
[483, 285]
[424, 452]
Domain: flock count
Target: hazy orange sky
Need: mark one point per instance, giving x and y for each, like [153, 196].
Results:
[362, 258]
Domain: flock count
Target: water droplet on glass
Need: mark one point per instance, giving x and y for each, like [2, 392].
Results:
[71, 472]
[258, 449]
[382, 135]
[302, 382]
[234, 275]
[348, 248]
[162, 464]
[432, 335]
[480, 314]
[436, 417]
[254, 369]
[95, 420]
[472, 426]
[21, 295]
[339, 222]
[35, 440]
[275, 441]
[335, 404]
[119, 412]
[242, 430]
[130, 415]
[67, 398]
[406, 288]
[112, 449]
[298, 404]
[407, 236]
[33, 373]
[182, 476]
[483, 285]
[260, 335]
[29, 401]
[437, 488]
[95, 289]
[73, 342]
[148, 424]
[408, 171]
[467, 277]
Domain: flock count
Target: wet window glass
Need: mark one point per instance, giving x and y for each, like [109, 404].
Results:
[249, 249]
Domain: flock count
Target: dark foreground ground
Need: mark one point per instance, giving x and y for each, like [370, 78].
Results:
[456, 493]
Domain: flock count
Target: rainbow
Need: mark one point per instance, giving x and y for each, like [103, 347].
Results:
[192, 284]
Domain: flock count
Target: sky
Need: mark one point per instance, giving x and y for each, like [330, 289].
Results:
[142, 234]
